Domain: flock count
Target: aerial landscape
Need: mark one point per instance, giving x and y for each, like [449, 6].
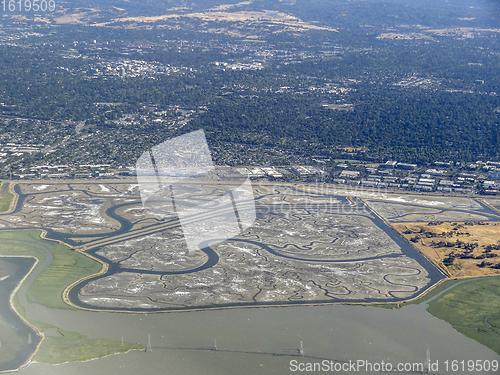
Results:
[250, 187]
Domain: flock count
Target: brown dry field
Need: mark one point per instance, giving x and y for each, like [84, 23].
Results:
[273, 17]
[483, 235]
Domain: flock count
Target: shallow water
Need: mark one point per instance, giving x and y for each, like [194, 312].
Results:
[258, 340]
[246, 338]
[253, 340]
[17, 340]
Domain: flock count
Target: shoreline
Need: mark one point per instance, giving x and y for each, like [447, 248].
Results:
[341, 192]
[395, 304]
[105, 268]
[24, 319]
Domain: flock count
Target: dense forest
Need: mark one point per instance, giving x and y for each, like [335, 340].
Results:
[317, 93]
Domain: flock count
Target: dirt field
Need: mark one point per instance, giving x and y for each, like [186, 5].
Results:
[259, 17]
[463, 249]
